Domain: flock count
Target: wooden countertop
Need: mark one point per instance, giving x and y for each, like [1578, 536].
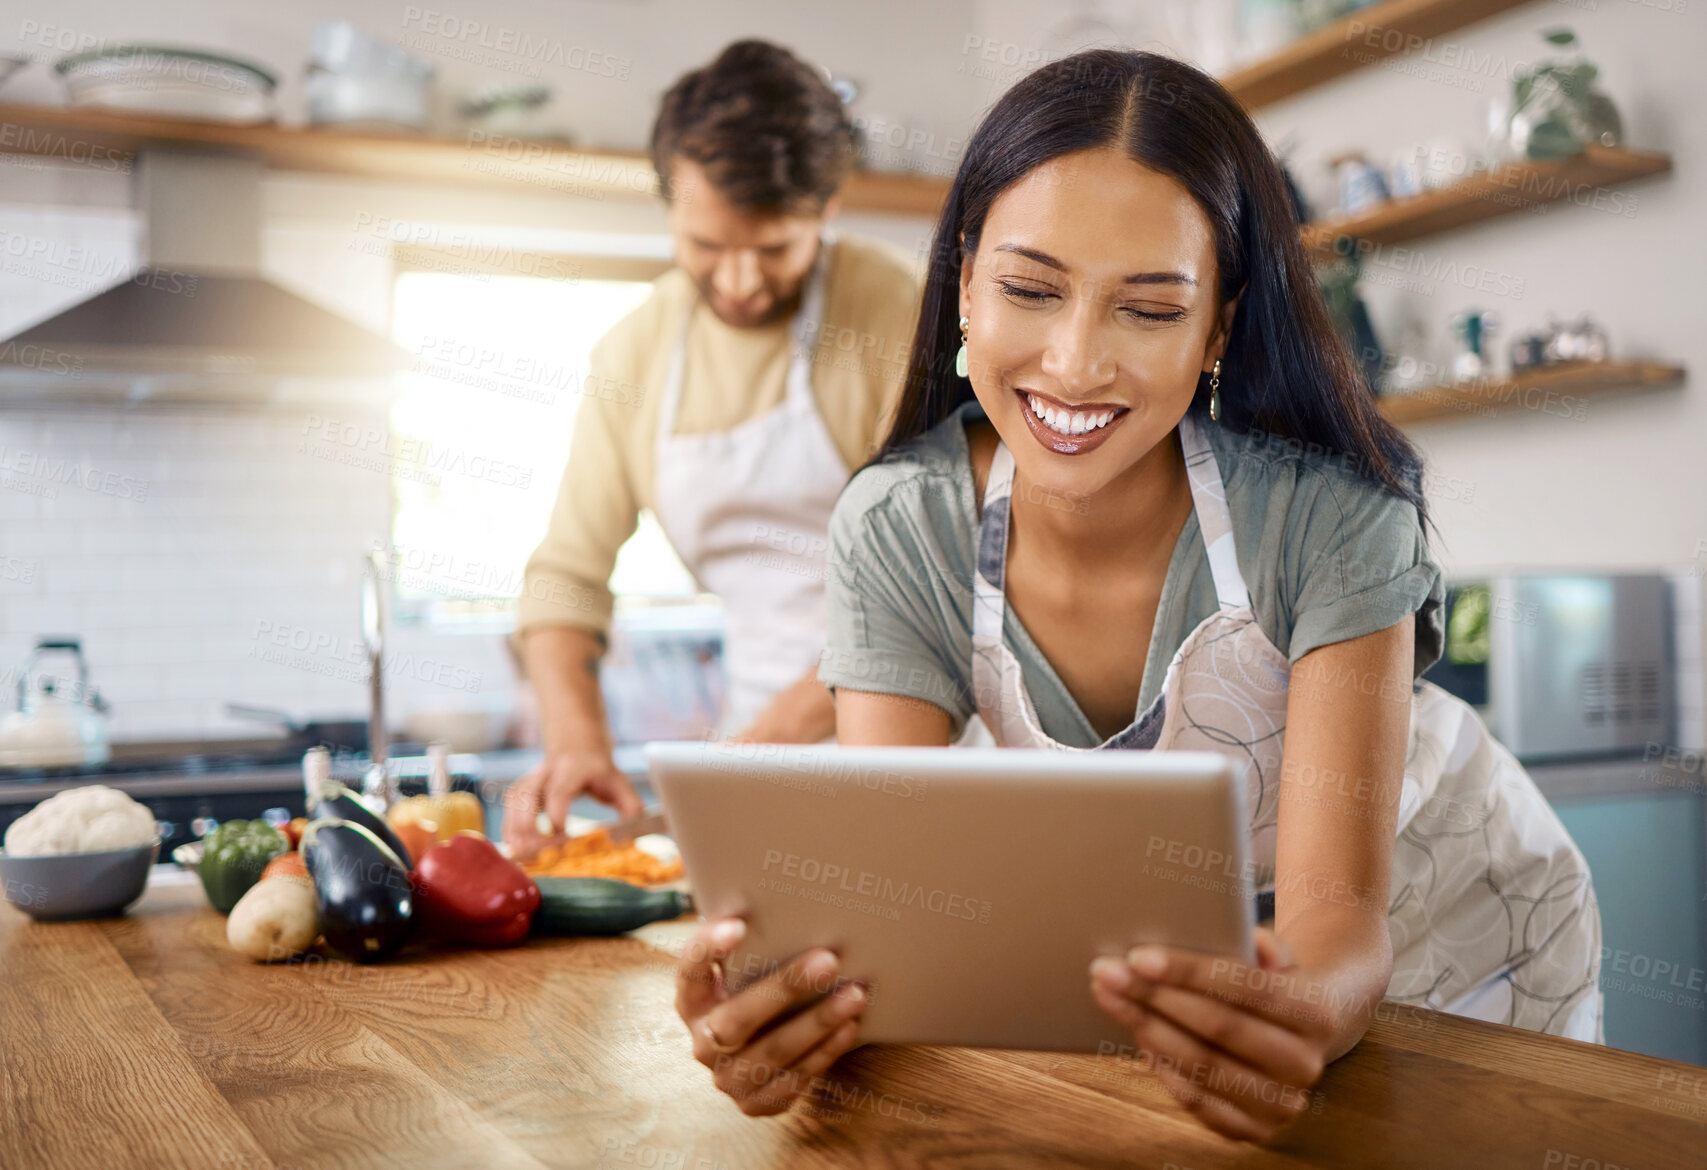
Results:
[144, 1041]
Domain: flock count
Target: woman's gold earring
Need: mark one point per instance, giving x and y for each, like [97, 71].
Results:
[1214, 391]
[961, 365]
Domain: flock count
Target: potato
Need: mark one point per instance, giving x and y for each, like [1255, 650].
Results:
[275, 920]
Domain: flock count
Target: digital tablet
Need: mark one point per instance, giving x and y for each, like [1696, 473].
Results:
[968, 888]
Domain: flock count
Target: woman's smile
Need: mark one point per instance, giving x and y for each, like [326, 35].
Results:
[1069, 428]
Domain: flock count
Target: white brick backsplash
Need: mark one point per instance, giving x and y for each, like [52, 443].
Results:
[236, 532]
[26, 618]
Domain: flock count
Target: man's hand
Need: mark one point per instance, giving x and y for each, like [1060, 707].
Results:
[563, 667]
[558, 780]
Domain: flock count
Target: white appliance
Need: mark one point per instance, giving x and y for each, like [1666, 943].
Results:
[1564, 665]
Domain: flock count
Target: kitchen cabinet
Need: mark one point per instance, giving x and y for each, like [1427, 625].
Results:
[1645, 851]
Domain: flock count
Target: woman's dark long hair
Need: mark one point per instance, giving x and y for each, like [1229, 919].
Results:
[1286, 375]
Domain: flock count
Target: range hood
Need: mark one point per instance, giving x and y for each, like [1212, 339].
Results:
[198, 322]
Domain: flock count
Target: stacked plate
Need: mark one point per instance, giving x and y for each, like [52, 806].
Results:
[172, 83]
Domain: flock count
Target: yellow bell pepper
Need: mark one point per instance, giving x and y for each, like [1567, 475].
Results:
[443, 816]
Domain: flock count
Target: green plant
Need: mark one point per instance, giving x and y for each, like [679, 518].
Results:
[1559, 105]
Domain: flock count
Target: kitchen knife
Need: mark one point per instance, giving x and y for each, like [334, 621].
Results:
[648, 822]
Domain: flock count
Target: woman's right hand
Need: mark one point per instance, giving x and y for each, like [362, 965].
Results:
[559, 779]
[766, 1044]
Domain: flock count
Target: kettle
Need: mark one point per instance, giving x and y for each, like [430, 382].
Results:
[55, 727]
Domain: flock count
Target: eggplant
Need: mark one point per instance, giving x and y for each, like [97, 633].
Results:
[339, 803]
[361, 889]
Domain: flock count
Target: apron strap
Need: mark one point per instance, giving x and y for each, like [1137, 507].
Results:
[988, 602]
[808, 323]
[673, 380]
[1209, 498]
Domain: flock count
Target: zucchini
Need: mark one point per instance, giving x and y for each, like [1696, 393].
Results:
[602, 906]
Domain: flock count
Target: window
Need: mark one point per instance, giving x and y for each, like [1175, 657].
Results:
[492, 394]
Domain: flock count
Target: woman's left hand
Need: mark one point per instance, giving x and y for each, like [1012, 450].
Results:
[1238, 1045]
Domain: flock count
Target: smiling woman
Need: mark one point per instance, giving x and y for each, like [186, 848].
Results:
[1137, 496]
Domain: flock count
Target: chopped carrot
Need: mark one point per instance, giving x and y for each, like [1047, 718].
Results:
[594, 854]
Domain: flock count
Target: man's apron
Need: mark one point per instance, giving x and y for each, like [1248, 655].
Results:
[748, 511]
[1492, 912]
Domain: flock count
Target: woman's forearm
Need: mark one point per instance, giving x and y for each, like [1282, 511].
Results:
[1345, 962]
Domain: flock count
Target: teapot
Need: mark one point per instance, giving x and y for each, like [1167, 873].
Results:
[55, 726]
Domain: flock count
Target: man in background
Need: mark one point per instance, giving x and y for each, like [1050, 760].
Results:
[740, 441]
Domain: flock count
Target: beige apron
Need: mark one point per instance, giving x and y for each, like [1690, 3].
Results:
[748, 511]
[1491, 909]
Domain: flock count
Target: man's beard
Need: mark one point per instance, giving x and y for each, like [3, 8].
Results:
[780, 310]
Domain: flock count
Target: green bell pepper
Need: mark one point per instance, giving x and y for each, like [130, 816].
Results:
[233, 856]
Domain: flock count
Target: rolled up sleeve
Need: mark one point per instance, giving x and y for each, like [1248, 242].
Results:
[885, 629]
[1365, 565]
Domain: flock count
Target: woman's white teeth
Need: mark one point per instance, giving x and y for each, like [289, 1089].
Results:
[1068, 422]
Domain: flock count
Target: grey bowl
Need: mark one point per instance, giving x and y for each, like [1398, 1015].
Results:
[77, 885]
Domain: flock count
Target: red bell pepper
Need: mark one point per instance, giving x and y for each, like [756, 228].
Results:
[469, 892]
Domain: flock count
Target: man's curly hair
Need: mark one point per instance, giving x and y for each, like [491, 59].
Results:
[766, 126]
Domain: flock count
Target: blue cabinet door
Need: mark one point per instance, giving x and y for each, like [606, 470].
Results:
[1645, 852]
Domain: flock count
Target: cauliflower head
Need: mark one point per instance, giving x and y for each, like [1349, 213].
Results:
[81, 820]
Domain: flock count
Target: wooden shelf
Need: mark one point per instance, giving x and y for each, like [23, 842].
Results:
[1369, 35]
[105, 137]
[1518, 186]
[1559, 391]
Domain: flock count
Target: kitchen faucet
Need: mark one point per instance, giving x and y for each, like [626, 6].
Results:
[376, 784]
